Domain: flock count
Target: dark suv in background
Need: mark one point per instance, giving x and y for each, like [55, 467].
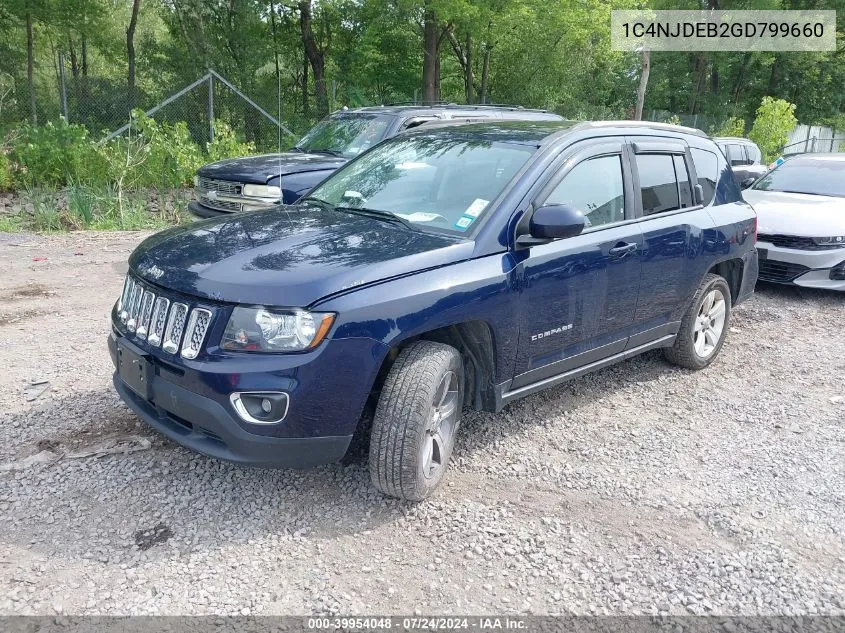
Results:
[258, 182]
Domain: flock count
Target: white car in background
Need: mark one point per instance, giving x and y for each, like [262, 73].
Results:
[800, 208]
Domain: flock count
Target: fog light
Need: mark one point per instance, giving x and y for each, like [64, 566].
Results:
[260, 407]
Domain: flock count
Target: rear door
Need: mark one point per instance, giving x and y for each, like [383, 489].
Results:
[579, 294]
[673, 224]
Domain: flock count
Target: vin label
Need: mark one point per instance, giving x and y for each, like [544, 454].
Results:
[714, 31]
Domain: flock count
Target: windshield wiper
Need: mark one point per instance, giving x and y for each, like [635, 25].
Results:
[325, 150]
[378, 214]
[297, 148]
[318, 201]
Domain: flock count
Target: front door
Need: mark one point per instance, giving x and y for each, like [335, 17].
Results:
[579, 294]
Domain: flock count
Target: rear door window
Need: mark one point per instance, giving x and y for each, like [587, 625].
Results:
[658, 184]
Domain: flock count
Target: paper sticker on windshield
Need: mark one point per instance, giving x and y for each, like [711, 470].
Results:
[419, 216]
[478, 205]
[463, 222]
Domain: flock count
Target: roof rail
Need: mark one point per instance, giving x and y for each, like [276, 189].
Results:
[416, 103]
[654, 125]
[467, 106]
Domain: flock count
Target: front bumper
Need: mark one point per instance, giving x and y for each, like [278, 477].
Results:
[216, 433]
[809, 269]
[188, 400]
[201, 212]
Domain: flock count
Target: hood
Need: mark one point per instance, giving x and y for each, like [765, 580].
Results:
[261, 169]
[805, 215]
[288, 256]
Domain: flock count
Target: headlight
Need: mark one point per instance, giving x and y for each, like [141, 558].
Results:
[271, 330]
[837, 240]
[263, 191]
[196, 181]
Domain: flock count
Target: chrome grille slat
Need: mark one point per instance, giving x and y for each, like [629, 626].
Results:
[195, 332]
[158, 321]
[146, 311]
[175, 328]
[135, 307]
[128, 289]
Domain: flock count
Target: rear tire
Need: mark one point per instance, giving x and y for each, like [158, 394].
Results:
[704, 325]
[416, 421]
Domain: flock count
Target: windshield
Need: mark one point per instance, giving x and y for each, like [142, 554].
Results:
[433, 181]
[345, 135]
[819, 176]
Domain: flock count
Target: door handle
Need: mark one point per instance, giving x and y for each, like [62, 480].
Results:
[622, 249]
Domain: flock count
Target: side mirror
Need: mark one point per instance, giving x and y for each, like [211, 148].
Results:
[553, 221]
[698, 194]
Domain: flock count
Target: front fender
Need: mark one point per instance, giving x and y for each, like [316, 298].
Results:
[395, 311]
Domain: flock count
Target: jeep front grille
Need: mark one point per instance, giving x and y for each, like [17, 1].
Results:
[161, 321]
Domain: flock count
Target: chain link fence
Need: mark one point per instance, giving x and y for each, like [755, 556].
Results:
[102, 105]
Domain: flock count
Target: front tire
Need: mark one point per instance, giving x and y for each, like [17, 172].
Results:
[416, 420]
[704, 326]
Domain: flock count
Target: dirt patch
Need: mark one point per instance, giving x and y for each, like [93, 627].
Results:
[28, 291]
[11, 318]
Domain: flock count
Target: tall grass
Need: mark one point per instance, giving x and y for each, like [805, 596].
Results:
[95, 207]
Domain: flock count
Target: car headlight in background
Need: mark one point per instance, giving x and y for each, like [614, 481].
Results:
[262, 191]
[837, 240]
[272, 330]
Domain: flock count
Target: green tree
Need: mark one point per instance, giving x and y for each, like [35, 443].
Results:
[775, 119]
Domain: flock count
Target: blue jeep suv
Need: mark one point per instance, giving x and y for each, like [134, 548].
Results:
[450, 266]
[258, 182]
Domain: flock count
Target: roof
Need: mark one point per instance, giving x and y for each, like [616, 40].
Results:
[508, 131]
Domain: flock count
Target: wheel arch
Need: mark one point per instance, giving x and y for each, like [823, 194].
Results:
[732, 272]
[475, 340]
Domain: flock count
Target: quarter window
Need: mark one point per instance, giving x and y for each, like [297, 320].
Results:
[707, 169]
[736, 153]
[595, 188]
[658, 186]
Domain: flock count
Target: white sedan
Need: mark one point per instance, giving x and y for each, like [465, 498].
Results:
[800, 208]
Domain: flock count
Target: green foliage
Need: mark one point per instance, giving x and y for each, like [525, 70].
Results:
[10, 223]
[673, 120]
[775, 119]
[226, 144]
[151, 154]
[734, 126]
[172, 156]
[54, 154]
[5, 172]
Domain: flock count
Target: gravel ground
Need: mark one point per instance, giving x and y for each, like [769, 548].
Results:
[639, 489]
